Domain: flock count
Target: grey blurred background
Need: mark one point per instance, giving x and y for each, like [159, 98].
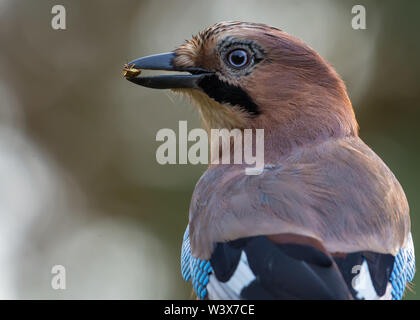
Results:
[79, 183]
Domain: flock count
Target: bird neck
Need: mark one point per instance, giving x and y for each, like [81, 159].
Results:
[306, 126]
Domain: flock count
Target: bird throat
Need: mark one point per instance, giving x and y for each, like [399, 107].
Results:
[216, 115]
[226, 93]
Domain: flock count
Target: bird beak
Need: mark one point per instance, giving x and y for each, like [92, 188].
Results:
[163, 61]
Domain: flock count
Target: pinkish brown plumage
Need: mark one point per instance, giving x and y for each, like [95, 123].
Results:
[321, 181]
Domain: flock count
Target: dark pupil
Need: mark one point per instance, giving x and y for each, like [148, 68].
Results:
[238, 58]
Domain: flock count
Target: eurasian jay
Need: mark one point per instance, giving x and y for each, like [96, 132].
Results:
[326, 218]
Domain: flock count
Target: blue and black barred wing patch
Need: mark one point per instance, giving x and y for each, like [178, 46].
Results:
[403, 270]
[186, 257]
[195, 270]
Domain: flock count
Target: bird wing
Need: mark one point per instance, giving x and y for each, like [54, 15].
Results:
[404, 269]
[257, 268]
[195, 270]
[372, 276]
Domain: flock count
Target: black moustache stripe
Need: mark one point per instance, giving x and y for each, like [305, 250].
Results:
[223, 92]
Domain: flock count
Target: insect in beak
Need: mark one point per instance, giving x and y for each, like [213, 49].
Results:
[164, 61]
[129, 71]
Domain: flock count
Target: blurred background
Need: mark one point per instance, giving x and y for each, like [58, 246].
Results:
[79, 183]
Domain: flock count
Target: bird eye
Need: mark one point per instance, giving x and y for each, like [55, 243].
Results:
[238, 58]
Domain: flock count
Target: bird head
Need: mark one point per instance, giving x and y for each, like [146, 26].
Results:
[247, 75]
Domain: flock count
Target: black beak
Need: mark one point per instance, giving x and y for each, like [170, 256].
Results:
[164, 61]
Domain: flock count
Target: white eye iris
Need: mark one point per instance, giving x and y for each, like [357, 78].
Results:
[238, 58]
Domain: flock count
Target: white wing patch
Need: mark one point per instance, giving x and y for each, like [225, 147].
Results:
[364, 288]
[231, 290]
